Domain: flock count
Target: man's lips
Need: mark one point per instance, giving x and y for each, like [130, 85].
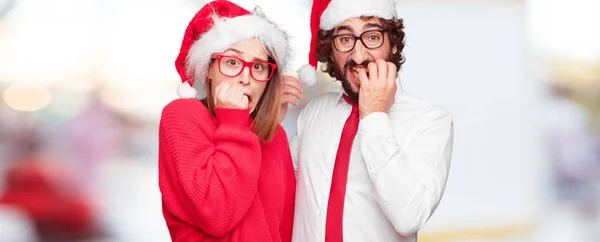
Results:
[353, 70]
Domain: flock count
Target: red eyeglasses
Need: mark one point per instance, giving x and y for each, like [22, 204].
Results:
[232, 66]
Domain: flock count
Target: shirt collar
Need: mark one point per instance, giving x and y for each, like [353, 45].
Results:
[340, 98]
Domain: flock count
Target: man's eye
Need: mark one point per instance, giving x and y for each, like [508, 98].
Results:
[374, 37]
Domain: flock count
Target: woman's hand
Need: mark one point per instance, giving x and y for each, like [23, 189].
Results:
[227, 96]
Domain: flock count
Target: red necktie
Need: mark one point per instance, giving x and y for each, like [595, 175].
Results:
[335, 207]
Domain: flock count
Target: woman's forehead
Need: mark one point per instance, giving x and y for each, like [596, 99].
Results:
[251, 48]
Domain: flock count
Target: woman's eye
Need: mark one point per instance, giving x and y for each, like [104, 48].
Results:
[258, 67]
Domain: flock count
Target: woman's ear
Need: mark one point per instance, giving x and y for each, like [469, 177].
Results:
[208, 74]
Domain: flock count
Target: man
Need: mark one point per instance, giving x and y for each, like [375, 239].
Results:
[372, 161]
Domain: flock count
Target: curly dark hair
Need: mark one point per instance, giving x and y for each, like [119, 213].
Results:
[395, 28]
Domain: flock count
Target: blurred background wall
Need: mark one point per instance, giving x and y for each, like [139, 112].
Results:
[83, 82]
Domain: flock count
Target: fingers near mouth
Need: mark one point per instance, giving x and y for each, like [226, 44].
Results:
[355, 69]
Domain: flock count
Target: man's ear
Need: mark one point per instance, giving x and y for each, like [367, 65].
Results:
[394, 50]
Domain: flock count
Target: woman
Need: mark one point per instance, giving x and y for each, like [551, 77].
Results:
[225, 170]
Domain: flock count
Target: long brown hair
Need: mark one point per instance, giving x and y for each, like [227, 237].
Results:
[267, 109]
[396, 36]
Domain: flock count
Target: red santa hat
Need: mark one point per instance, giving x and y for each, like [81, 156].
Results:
[217, 26]
[326, 14]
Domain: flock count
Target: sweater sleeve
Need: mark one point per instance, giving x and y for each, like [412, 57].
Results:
[210, 179]
[287, 222]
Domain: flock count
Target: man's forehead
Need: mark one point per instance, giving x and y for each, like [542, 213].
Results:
[359, 24]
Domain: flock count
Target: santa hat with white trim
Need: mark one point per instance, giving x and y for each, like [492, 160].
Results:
[326, 14]
[217, 26]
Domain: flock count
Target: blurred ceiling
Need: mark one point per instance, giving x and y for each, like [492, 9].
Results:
[5, 7]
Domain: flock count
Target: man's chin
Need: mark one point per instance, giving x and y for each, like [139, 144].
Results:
[347, 86]
[350, 90]
[354, 83]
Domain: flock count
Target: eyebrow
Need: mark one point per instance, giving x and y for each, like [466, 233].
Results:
[343, 27]
[371, 25]
[239, 52]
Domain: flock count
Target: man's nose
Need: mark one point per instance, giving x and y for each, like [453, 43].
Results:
[359, 53]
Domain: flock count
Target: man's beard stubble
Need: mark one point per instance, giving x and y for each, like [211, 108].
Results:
[340, 75]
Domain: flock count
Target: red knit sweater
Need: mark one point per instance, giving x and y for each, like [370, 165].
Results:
[218, 181]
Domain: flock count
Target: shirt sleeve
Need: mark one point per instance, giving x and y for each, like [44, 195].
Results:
[409, 179]
[295, 141]
[294, 148]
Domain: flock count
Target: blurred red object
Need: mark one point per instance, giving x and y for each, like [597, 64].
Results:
[56, 210]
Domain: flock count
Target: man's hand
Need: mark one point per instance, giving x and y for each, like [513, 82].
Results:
[291, 92]
[378, 89]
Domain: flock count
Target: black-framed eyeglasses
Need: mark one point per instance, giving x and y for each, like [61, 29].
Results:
[371, 39]
[232, 66]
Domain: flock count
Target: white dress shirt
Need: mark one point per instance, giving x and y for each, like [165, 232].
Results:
[398, 168]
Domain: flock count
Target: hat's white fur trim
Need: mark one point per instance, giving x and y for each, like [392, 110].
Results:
[339, 11]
